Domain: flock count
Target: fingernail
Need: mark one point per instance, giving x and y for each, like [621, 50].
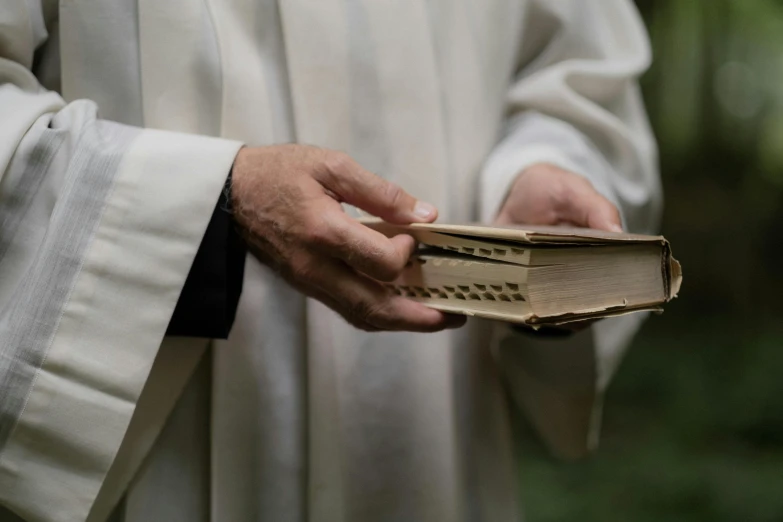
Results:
[616, 228]
[424, 210]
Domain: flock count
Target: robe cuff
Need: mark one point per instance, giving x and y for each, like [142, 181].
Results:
[113, 321]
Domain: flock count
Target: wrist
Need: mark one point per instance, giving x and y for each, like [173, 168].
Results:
[236, 180]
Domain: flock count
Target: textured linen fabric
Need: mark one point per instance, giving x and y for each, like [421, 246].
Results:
[99, 225]
[298, 416]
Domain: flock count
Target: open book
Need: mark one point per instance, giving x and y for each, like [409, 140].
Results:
[535, 275]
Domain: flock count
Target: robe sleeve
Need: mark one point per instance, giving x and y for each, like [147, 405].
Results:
[99, 225]
[575, 103]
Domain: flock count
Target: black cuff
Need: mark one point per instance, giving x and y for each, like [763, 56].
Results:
[208, 302]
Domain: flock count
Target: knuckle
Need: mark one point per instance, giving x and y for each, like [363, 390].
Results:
[359, 311]
[390, 267]
[383, 261]
[367, 312]
[315, 233]
[560, 194]
[337, 163]
[393, 194]
[301, 268]
[572, 189]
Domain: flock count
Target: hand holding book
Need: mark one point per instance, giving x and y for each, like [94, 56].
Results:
[286, 201]
[544, 194]
[539, 275]
[547, 195]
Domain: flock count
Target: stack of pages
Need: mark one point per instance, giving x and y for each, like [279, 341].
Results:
[535, 275]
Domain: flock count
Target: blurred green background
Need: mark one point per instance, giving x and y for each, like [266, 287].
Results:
[693, 427]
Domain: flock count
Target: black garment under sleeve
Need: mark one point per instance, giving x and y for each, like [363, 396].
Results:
[208, 302]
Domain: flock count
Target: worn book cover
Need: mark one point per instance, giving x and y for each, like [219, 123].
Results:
[535, 275]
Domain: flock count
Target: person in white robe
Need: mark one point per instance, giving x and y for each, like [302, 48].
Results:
[119, 124]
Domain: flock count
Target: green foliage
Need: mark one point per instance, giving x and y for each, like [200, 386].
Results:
[693, 432]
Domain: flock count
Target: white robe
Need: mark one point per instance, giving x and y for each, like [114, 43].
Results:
[298, 417]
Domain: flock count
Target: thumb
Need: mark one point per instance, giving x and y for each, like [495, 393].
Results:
[585, 207]
[604, 216]
[371, 193]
